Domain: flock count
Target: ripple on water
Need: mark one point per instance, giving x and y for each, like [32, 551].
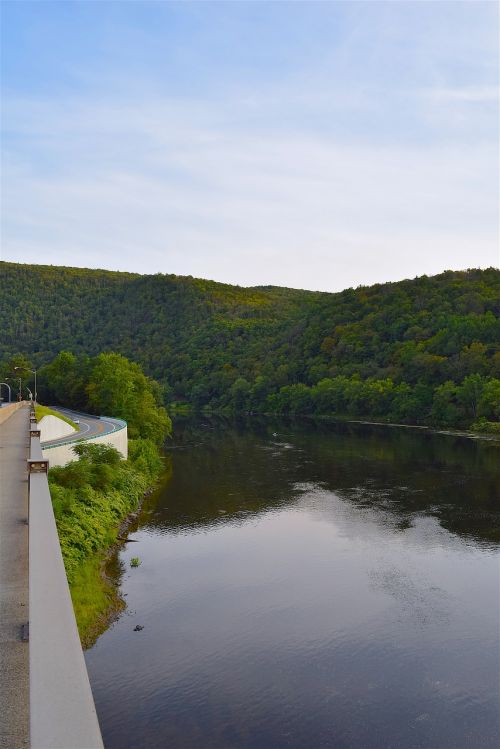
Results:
[304, 594]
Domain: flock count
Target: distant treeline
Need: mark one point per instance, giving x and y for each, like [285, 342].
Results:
[420, 351]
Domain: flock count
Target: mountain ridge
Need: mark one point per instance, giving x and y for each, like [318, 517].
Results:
[226, 346]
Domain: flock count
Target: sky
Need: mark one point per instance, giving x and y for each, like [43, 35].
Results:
[316, 145]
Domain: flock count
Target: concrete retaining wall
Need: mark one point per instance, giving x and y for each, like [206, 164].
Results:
[60, 455]
[7, 411]
[52, 428]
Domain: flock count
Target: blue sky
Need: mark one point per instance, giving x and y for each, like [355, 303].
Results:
[307, 144]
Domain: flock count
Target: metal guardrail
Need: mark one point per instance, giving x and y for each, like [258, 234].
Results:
[62, 710]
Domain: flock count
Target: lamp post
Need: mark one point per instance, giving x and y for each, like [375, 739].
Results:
[19, 380]
[9, 389]
[33, 371]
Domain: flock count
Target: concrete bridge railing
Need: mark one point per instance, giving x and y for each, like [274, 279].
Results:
[62, 710]
[7, 411]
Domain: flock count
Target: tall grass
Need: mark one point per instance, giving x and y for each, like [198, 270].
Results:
[91, 497]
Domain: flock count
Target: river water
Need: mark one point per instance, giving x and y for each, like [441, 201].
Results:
[309, 585]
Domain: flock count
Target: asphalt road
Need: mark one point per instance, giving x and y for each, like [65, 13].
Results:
[90, 426]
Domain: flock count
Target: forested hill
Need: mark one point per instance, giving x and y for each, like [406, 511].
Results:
[400, 350]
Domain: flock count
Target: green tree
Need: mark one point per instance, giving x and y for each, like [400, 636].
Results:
[489, 401]
[239, 394]
[445, 409]
[17, 366]
[197, 338]
[118, 387]
[469, 394]
[63, 380]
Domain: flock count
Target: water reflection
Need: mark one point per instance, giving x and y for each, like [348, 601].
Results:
[309, 585]
[405, 472]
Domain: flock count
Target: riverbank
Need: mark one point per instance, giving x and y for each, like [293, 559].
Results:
[95, 590]
[95, 499]
[485, 430]
[479, 435]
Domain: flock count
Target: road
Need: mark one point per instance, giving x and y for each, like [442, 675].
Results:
[90, 426]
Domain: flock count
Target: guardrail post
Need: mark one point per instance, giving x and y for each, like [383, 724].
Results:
[38, 466]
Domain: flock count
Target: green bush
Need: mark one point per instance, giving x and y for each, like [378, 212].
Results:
[92, 495]
[145, 457]
[485, 426]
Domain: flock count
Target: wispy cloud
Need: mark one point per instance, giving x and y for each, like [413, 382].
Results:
[370, 161]
[468, 94]
[197, 197]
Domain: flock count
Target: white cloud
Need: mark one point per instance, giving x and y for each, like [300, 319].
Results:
[180, 187]
[478, 94]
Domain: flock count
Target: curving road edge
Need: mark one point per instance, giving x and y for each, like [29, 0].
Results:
[101, 429]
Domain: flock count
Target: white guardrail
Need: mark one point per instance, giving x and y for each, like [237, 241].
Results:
[62, 710]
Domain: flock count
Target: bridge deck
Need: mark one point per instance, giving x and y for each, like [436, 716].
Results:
[14, 654]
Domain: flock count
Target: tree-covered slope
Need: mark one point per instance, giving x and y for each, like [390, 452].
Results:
[161, 321]
[261, 348]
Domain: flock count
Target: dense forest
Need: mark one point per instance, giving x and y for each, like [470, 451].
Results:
[422, 351]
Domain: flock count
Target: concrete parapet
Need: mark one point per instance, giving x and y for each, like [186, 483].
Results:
[118, 439]
[62, 710]
[7, 411]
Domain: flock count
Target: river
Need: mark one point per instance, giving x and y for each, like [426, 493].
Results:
[309, 585]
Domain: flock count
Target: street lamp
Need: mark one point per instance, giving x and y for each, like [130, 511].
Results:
[33, 371]
[8, 387]
[20, 384]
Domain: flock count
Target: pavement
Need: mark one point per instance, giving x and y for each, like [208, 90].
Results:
[14, 653]
[90, 426]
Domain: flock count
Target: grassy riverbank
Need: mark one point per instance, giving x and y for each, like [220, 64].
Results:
[91, 498]
[96, 599]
